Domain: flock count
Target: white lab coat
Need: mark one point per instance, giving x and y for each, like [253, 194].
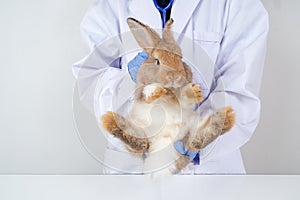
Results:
[232, 32]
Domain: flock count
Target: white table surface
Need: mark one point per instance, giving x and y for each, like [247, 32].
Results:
[90, 187]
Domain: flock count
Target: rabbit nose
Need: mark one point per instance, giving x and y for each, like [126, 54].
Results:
[174, 77]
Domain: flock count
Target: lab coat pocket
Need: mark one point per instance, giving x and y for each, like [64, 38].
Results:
[209, 42]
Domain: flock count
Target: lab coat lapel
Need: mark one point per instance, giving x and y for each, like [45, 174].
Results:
[182, 11]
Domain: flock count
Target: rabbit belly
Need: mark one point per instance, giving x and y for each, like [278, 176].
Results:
[162, 124]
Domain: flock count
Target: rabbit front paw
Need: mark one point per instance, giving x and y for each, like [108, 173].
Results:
[191, 93]
[152, 92]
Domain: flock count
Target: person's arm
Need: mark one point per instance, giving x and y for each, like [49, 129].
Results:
[99, 73]
[239, 69]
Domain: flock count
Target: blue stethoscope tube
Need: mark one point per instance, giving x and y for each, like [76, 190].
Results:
[164, 11]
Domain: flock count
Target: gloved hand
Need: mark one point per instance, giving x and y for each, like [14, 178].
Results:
[135, 63]
[193, 155]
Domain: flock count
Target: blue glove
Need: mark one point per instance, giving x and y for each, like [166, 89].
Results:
[193, 155]
[134, 64]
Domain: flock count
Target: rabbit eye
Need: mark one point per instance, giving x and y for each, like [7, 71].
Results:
[157, 62]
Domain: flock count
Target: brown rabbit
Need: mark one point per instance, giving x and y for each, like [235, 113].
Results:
[162, 111]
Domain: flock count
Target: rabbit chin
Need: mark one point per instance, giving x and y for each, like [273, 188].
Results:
[173, 85]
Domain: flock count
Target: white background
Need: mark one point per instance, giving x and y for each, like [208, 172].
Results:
[39, 42]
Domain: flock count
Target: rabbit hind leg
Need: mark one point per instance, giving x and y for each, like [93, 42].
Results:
[119, 127]
[217, 124]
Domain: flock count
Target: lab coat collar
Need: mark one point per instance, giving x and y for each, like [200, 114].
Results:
[146, 12]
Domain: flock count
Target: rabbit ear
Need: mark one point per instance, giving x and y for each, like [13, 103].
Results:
[168, 38]
[146, 37]
[167, 35]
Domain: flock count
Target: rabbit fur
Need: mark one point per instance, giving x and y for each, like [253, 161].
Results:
[162, 112]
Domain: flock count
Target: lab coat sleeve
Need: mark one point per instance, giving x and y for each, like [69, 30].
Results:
[99, 73]
[99, 23]
[239, 69]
